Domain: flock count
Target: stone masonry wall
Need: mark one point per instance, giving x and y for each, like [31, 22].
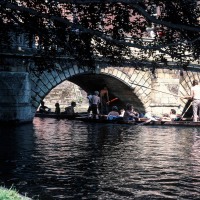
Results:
[64, 94]
[15, 97]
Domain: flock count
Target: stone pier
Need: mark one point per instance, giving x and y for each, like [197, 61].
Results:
[15, 97]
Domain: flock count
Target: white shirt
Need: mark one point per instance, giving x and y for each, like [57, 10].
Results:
[195, 92]
[95, 99]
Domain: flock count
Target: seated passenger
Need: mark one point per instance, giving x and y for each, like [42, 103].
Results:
[114, 114]
[130, 115]
[172, 114]
[170, 117]
[57, 109]
[43, 108]
[150, 117]
[70, 109]
[122, 111]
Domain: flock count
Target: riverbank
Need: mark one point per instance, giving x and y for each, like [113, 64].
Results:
[10, 194]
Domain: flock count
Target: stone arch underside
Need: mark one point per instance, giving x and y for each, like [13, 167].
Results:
[118, 80]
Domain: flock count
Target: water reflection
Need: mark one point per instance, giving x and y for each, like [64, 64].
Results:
[61, 159]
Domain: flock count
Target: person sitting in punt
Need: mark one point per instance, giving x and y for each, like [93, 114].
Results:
[113, 114]
[172, 116]
[43, 108]
[121, 112]
[130, 114]
[70, 109]
[57, 109]
[149, 116]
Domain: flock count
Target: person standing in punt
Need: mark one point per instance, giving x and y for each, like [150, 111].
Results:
[95, 104]
[195, 97]
[104, 98]
[89, 97]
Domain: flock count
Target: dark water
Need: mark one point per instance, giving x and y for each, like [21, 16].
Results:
[52, 159]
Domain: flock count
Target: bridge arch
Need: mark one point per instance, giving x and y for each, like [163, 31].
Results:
[22, 91]
[119, 82]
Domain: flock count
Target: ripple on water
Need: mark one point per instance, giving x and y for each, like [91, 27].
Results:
[61, 159]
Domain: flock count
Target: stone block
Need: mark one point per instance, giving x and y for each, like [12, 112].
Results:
[62, 76]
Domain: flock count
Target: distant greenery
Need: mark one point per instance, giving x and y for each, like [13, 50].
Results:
[10, 194]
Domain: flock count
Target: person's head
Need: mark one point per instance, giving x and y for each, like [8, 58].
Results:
[195, 82]
[173, 111]
[115, 108]
[129, 107]
[73, 104]
[96, 93]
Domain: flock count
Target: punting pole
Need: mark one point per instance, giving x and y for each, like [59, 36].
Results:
[112, 100]
[186, 110]
[156, 90]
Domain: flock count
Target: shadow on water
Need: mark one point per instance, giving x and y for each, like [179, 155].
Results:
[61, 159]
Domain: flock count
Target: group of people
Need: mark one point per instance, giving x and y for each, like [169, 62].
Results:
[128, 114]
[99, 104]
[68, 110]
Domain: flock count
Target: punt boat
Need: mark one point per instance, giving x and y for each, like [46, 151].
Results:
[59, 116]
[143, 121]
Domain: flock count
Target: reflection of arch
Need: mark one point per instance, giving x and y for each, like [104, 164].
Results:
[119, 80]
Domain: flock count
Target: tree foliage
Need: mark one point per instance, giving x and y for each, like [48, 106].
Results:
[114, 31]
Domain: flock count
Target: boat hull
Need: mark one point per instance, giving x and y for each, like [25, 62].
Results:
[143, 122]
[56, 116]
[81, 117]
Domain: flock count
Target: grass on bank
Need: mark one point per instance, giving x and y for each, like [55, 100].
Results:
[10, 194]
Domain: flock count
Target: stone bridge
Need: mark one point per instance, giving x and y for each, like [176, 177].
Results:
[22, 91]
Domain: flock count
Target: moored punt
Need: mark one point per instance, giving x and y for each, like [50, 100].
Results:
[106, 121]
[177, 123]
[57, 116]
[142, 121]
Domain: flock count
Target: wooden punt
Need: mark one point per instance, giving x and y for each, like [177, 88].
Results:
[106, 121]
[177, 123]
[58, 116]
[143, 121]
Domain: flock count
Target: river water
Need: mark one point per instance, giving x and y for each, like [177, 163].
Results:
[60, 159]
